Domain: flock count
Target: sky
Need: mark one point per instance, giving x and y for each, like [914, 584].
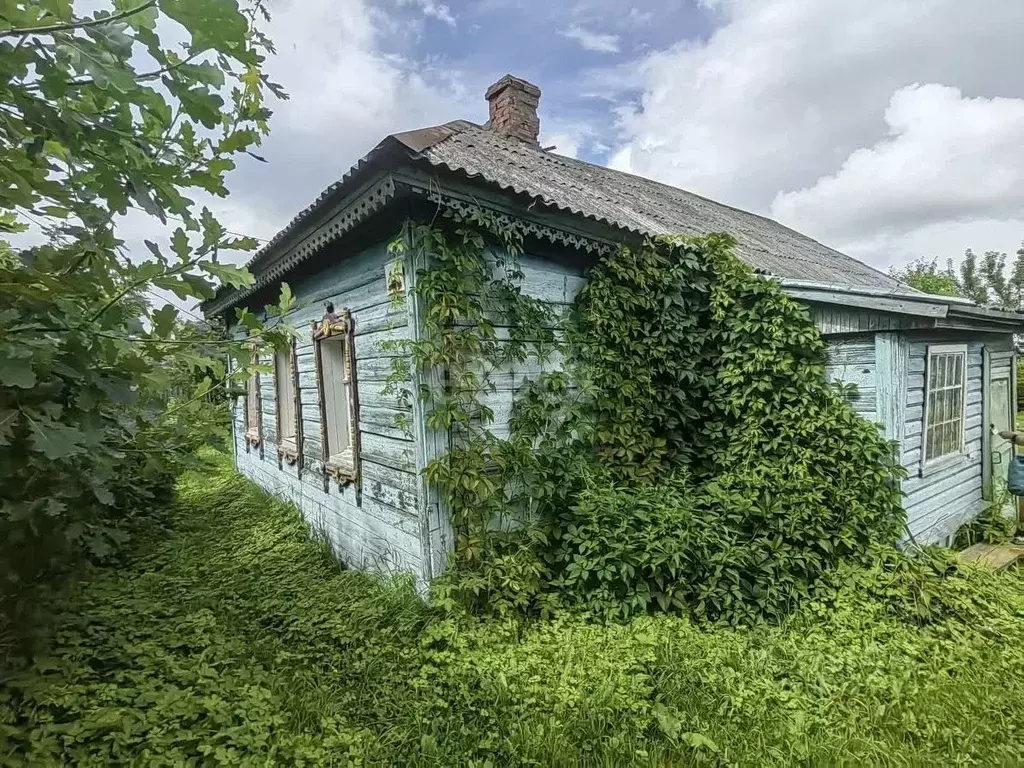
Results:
[889, 129]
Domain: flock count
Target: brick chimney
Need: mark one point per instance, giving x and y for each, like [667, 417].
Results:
[513, 108]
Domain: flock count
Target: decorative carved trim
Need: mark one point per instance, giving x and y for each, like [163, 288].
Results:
[345, 467]
[364, 204]
[253, 432]
[333, 324]
[358, 208]
[298, 405]
[288, 449]
[525, 227]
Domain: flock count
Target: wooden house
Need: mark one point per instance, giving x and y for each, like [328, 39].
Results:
[936, 373]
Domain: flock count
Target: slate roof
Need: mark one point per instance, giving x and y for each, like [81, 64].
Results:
[618, 199]
[640, 205]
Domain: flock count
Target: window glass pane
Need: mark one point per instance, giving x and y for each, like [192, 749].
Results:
[945, 400]
[285, 394]
[252, 403]
[332, 356]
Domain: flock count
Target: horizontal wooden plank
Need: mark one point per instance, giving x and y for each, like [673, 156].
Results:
[919, 490]
[859, 351]
[393, 488]
[388, 451]
[947, 512]
[832, 320]
[391, 431]
[380, 343]
[872, 303]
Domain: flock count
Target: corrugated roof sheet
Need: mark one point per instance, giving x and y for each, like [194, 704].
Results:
[641, 205]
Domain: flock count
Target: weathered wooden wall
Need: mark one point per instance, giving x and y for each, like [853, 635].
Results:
[380, 529]
[556, 284]
[852, 361]
[834, 320]
[939, 500]
[888, 367]
[396, 523]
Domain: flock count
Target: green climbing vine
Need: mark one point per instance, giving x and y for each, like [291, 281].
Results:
[688, 454]
[476, 322]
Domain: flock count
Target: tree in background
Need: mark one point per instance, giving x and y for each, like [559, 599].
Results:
[993, 272]
[1016, 288]
[925, 275]
[98, 114]
[985, 282]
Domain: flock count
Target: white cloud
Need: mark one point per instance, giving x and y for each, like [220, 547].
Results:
[346, 95]
[433, 10]
[947, 158]
[566, 144]
[621, 159]
[592, 41]
[786, 91]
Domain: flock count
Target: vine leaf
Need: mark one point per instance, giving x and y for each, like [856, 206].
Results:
[8, 419]
[17, 372]
[55, 440]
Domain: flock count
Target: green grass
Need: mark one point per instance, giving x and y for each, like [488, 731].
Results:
[231, 638]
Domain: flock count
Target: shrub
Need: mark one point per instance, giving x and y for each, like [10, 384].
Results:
[102, 115]
[706, 464]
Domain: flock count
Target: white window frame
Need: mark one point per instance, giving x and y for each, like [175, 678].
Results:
[934, 350]
[337, 328]
[287, 447]
[253, 405]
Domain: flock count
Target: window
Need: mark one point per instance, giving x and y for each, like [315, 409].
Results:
[945, 392]
[252, 406]
[284, 392]
[335, 361]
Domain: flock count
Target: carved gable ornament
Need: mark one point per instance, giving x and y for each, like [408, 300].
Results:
[332, 324]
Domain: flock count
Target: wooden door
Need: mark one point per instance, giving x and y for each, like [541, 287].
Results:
[999, 412]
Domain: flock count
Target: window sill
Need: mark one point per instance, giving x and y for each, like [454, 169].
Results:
[944, 464]
[342, 467]
[252, 438]
[288, 450]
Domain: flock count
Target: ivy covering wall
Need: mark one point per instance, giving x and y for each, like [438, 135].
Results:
[689, 456]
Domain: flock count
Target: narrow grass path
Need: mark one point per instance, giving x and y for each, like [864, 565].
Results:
[230, 638]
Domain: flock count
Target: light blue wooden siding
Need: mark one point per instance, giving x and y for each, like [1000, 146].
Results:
[939, 501]
[556, 285]
[383, 529]
[852, 361]
[833, 320]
